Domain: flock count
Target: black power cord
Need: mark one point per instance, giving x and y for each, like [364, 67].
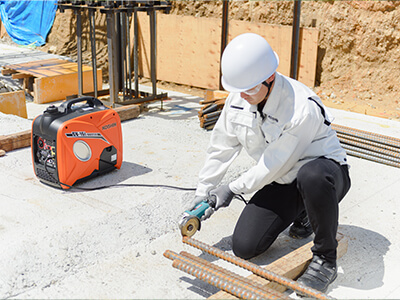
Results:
[240, 197]
[112, 185]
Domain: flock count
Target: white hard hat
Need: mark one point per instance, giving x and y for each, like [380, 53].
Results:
[247, 61]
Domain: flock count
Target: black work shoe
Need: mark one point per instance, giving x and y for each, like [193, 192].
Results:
[319, 274]
[301, 227]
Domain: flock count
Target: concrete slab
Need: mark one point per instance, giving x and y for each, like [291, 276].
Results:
[109, 243]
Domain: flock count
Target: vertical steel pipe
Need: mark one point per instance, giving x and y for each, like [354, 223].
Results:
[129, 65]
[111, 58]
[153, 47]
[79, 48]
[136, 51]
[92, 33]
[299, 288]
[295, 39]
[224, 32]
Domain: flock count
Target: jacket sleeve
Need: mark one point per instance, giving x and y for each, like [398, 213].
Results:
[279, 157]
[223, 148]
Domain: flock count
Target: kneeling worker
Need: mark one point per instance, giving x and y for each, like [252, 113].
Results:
[301, 172]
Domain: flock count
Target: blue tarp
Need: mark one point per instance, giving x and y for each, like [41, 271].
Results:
[28, 22]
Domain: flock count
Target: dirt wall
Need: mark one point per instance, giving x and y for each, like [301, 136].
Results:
[358, 55]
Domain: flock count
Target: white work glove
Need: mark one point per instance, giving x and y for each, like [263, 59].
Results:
[221, 195]
[198, 199]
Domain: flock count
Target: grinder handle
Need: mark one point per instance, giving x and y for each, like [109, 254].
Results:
[91, 101]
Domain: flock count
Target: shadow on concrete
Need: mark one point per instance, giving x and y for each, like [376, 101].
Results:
[363, 265]
[283, 245]
[176, 108]
[127, 170]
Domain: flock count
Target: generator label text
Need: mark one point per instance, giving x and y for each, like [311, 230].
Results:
[86, 135]
[108, 126]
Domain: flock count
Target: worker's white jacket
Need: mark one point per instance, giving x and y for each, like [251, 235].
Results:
[292, 130]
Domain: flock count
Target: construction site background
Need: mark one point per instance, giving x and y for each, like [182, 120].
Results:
[358, 46]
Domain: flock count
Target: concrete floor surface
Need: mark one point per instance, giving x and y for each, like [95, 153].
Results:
[109, 243]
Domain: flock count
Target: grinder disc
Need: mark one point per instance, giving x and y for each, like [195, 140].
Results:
[190, 227]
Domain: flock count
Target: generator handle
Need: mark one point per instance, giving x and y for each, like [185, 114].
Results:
[91, 101]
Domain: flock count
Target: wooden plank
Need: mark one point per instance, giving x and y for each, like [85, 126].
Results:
[210, 96]
[290, 266]
[308, 53]
[15, 141]
[13, 103]
[48, 67]
[56, 88]
[6, 71]
[21, 76]
[128, 112]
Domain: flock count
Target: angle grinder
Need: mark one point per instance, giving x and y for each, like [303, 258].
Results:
[191, 219]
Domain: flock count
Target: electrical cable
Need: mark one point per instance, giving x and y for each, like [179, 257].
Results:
[240, 197]
[112, 185]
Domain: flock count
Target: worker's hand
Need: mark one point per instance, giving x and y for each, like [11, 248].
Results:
[196, 201]
[222, 196]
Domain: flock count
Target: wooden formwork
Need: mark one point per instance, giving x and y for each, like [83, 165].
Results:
[52, 79]
[13, 103]
[189, 48]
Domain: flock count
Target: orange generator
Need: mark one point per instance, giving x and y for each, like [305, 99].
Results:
[79, 139]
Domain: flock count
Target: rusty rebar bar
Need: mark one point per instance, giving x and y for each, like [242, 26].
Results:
[299, 288]
[216, 281]
[371, 150]
[359, 154]
[383, 139]
[228, 275]
[379, 155]
[375, 146]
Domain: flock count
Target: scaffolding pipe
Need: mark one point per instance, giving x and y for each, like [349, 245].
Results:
[295, 39]
[92, 33]
[79, 48]
[298, 287]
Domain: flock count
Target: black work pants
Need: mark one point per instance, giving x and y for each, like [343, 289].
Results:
[319, 187]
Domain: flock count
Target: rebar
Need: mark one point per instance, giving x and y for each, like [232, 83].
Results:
[298, 287]
[383, 139]
[236, 279]
[374, 151]
[217, 281]
[368, 156]
[376, 146]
